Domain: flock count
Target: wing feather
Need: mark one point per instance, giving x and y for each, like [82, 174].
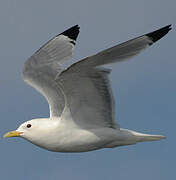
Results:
[41, 69]
[87, 87]
[123, 51]
[89, 98]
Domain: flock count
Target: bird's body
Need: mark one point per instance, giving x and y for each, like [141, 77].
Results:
[56, 135]
[80, 98]
[72, 139]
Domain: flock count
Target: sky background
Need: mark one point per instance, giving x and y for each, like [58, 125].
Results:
[144, 87]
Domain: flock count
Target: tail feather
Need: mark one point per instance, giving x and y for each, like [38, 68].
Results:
[149, 137]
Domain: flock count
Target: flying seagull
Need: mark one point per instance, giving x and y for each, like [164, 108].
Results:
[80, 99]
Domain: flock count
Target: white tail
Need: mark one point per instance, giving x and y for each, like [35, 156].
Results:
[148, 137]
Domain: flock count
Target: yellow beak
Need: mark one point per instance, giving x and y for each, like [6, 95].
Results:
[12, 134]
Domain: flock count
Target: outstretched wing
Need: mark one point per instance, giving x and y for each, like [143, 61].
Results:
[83, 89]
[40, 69]
[89, 100]
[86, 86]
[125, 50]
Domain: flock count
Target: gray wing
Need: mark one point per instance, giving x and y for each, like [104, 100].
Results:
[89, 99]
[83, 89]
[125, 50]
[41, 69]
[86, 86]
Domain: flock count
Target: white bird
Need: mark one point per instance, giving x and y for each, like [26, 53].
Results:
[80, 99]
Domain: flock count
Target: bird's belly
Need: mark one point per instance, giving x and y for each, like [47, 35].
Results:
[77, 140]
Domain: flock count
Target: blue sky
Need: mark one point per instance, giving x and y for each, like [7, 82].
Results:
[144, 87]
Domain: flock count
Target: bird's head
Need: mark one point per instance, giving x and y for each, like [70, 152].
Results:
[24, 129]
[35, 130]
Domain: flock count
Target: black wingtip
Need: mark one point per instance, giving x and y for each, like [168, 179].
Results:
[72, 32]
[158, 34]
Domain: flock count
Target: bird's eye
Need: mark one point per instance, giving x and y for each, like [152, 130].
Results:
[28, 125]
